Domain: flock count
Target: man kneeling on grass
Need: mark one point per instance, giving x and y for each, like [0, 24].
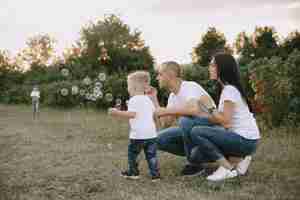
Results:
[142, 126]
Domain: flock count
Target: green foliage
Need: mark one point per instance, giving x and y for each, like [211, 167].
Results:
[290, 44]
[212, 42]
[111, 44]
[199, 74]
[271, 83]
[263, 43]
[293, 65]
[17, 94]
[270, 72]
[245, 48]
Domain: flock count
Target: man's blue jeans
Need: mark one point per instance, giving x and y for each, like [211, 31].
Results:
[176, 140]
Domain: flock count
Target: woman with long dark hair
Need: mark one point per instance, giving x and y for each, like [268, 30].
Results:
[238, 134]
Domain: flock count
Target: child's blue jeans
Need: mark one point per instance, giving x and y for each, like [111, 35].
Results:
[149, 146]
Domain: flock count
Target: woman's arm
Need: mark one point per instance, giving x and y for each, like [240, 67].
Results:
[223, 118]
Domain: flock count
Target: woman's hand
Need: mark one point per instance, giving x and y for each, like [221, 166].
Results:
[206, 103]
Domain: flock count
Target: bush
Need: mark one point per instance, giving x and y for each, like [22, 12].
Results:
[293, 65]
[199, 74]
[17, 94]
[271, 83]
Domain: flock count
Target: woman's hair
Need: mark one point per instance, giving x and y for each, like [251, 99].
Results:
[229, 73]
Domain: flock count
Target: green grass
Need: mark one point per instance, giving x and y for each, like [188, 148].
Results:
[78, 155]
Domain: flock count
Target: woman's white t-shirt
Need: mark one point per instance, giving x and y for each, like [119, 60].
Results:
[143, 125]
[243, 121]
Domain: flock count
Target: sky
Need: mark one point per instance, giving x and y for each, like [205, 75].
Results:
[171, 28]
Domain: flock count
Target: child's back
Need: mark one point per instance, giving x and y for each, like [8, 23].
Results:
[143, 125]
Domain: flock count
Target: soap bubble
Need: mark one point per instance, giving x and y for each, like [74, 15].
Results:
[102, 76]
[65, 72]
[64, 92]
[75, 89]
[109, 97]
[87, 80]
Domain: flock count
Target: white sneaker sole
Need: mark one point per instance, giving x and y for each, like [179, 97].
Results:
[221, 179]
[130, 177]
[155, 180]
[196, 174]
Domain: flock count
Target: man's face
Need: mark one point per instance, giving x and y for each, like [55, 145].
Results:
[163, 77]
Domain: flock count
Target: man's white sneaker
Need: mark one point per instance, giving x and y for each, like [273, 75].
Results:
[243, 166]
[221, 174]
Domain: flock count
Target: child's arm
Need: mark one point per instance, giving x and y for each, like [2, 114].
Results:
[120, 113]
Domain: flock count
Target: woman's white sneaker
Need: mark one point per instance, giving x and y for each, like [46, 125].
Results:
[221, 174]
[243, 166]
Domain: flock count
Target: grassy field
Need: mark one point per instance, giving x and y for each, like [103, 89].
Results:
[78, 155]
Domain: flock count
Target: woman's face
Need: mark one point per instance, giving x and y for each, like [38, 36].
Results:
[213, 71]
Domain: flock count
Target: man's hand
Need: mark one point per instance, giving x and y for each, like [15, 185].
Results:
[160, 112]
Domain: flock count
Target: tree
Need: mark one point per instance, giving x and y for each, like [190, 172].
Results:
[244, 48]
[10, 75]
[36, 58]
[290, 43]
[39, 50]
[212, 42]
[110, 44]
[265, 42]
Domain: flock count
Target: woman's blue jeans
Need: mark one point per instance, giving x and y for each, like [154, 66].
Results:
[214, 143]
[201, 141]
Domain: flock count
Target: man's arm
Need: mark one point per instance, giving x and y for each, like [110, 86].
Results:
[191, 108]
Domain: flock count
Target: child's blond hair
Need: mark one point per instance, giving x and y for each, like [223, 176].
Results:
[140, 80]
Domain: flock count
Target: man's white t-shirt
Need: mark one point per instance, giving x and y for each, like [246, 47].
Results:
[243, 121]
[143, 125]
[188, 90]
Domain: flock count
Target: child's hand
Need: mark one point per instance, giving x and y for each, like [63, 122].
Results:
[152, 93]
[112, 111]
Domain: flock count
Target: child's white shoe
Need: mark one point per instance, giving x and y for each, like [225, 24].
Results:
[221, 174]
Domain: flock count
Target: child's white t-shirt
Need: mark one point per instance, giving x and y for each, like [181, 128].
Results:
[35, 94]
[143, 125]
[243, 121]
[188, 90]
